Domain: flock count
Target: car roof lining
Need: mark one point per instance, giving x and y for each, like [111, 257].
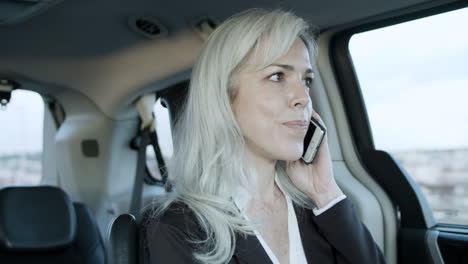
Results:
[91, 49]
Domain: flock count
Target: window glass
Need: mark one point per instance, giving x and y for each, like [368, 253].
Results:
[414, 80]
[163, 130]
[21, 139]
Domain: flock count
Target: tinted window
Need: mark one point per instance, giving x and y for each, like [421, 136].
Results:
[21, 139]
[414, 80]
[163, 130]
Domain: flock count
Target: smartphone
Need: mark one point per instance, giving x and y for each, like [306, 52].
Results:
[313, 139]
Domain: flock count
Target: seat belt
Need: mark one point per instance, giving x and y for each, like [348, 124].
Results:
[144, 106]
[146, 135]
[161, 163]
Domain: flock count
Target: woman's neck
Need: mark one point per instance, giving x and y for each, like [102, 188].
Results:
[266, 190]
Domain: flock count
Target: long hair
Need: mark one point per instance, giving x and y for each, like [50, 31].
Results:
[209, 153]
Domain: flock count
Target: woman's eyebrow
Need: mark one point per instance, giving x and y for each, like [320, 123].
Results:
[291, 68]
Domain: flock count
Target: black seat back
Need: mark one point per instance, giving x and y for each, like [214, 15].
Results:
[41, 225]
[122, 240]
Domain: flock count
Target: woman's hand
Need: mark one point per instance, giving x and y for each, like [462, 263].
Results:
[316, 179]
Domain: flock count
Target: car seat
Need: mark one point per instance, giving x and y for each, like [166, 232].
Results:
[40, 224]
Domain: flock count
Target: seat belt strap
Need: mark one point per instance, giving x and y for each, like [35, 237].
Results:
[161, 163]
[144, 106]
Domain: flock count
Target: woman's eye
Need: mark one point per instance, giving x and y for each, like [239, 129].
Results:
[279, 76]
[308, 81]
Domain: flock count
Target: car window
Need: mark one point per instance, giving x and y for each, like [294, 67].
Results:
[21, 139]
[163, 130]
[414, 81]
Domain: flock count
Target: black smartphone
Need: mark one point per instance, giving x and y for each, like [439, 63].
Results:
[313, 139]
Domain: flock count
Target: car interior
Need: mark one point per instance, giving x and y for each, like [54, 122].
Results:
[100, 66]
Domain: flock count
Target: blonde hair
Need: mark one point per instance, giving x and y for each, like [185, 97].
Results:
[208, 162]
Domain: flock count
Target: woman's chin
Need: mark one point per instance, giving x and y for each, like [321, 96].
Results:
[291, 156]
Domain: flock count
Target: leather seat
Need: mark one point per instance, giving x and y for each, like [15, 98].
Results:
[41, 225]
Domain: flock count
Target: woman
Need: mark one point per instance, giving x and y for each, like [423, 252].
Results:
[241, 193]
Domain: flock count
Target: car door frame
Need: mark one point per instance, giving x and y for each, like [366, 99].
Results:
[420, 238]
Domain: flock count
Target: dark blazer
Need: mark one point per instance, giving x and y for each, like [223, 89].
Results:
[335, 236]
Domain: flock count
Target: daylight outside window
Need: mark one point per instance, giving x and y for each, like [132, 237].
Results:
[414, 80]
[21, 139]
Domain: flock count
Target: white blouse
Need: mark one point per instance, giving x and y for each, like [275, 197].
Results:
[296, 250]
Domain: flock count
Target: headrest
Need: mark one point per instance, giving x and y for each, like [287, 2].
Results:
[36, 218]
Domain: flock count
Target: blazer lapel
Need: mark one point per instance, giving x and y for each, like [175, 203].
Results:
[316, 247]
[249, 251]
[305, 224]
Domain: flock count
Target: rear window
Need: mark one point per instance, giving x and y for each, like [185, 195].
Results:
[414, 81]
[21, 139]
[163, 130]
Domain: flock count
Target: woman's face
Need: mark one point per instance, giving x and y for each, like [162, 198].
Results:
[272, 105]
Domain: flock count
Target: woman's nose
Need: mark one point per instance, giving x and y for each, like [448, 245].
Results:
[299, 95]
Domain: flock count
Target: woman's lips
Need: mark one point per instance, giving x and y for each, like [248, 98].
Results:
[298, 126]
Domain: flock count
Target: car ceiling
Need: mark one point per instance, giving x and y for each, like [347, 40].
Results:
[88, 46]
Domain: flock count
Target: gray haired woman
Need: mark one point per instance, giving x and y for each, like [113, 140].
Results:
[242, 195]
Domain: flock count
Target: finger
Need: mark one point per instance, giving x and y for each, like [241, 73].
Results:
[290, 164]
[317, 116]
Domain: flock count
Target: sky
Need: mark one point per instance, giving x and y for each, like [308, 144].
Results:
[21, 123]
[414, 79]
[163, 128]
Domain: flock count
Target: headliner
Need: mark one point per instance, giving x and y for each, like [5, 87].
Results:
[88, 46]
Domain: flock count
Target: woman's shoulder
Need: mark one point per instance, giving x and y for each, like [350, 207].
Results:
[167, 234]
[177, 215]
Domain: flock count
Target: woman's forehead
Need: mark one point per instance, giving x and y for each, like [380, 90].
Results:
[263, 56]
